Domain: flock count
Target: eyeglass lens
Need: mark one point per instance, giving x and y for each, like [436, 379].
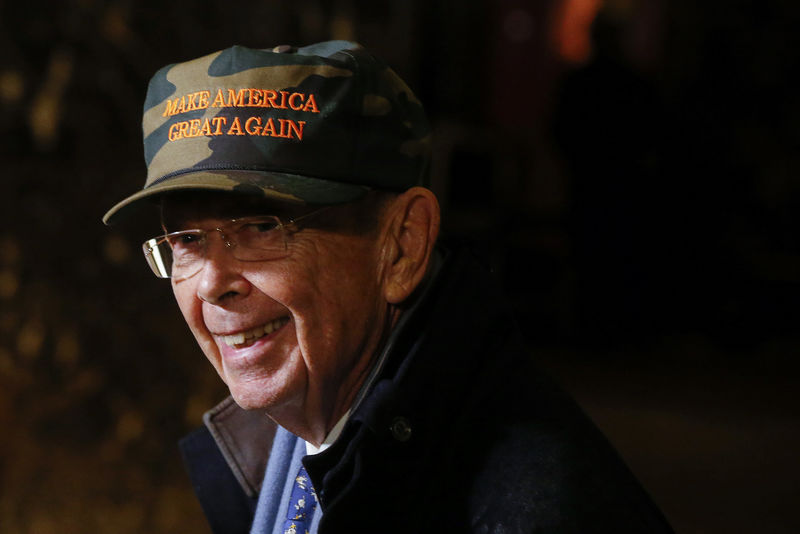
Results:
[183, 254]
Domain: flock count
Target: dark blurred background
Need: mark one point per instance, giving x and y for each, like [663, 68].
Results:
[630, 169]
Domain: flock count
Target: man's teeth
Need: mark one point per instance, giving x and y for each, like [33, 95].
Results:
[251, 335]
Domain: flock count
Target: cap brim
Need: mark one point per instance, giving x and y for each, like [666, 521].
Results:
[282, 187]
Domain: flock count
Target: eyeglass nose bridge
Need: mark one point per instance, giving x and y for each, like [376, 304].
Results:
[229, 243]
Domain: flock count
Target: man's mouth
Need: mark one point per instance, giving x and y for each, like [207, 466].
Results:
[244, 339]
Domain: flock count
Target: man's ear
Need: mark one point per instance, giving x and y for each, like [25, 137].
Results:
[413, 226]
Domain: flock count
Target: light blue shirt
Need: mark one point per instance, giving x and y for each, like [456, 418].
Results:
[284, 462]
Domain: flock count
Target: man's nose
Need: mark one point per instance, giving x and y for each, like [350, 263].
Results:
[221, 280]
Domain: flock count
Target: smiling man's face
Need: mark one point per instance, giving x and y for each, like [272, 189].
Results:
[312, 320]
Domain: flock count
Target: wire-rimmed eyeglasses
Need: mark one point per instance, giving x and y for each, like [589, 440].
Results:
[180, 255]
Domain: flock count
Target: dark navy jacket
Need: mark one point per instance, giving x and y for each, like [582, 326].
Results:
[461, 433]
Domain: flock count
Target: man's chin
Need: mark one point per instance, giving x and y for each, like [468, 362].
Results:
[249, 397]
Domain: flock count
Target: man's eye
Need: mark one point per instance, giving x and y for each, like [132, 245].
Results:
[258, 227]
[185, 241]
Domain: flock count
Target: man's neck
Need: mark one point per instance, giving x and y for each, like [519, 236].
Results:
[316, 427]
[315, 421]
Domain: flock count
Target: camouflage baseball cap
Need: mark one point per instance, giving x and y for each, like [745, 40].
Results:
[320, 124]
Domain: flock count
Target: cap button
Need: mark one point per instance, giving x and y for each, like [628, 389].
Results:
[401, 429]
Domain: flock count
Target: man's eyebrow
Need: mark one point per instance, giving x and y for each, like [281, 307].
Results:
[172, 222]
[175, 220]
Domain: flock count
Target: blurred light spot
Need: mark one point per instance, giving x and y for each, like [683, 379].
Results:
[12, 87]
[116, 250]
[130, 426]
[9, 284]
[573, 29]
[45, 113]
[342, 28]
[30, 339]
[115, 29]
[518, 26]
[67, 349]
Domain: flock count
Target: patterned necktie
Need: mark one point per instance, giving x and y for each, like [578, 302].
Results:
[302, 505]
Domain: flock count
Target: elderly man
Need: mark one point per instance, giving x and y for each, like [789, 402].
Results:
[378, 382]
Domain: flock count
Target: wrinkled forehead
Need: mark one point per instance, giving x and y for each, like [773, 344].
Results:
[191, 207]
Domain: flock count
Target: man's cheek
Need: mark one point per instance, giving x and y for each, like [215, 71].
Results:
[184, 303]
[190, 307]
[211, 352]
